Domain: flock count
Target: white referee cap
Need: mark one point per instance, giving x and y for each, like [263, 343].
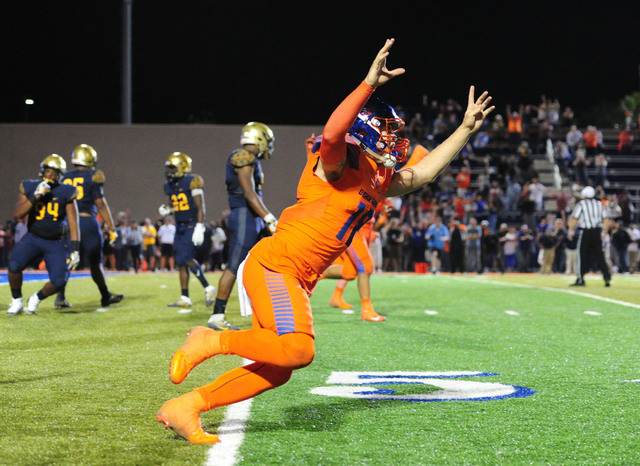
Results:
[588, 192]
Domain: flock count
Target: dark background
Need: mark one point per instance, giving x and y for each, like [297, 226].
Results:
[291, 63]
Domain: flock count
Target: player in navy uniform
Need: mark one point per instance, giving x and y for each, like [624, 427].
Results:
[186, 195]
[91, 201]
[248, 216]
[48, 203]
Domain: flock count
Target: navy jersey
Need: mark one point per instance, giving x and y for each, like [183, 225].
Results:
[179, 192]
[47, 216]
[238, 159]
[89, 184]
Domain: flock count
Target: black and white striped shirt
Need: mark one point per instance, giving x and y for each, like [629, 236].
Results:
[589, 213]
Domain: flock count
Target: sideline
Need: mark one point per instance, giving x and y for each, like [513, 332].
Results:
[39, 276]
[558, 290]
[231, 433]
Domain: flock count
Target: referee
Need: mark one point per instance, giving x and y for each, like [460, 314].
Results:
[587, 216]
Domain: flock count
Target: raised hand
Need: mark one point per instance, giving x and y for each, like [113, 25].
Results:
[378, 73]
[477, 110]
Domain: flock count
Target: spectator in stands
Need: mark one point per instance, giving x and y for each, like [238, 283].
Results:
[437, 235]
[536, 193]
[559, 262]
[526, 245]
[580, 163]
[525, 161]
[626, 206]
[547, 243]
[166, 236]
[457, 248]
[562, 156]
[620, 241]
[510, 248]
[395, 238]
[474, 246]
[149, 235]
[593, 141]
[600, 177]
[463, 179]
[133, 241]
[625, 141]
[573, 138]
[514, 126]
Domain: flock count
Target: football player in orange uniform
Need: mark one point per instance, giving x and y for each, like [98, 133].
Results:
[357, 260]
[340, 187]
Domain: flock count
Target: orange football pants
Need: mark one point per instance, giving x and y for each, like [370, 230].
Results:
[281, 338]
[356, 259]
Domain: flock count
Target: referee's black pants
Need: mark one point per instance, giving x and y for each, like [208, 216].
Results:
[590, 243]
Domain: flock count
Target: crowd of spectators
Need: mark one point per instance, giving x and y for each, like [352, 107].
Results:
[487, 212]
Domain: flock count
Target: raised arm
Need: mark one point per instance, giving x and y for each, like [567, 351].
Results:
[411, 178]
[334, 147]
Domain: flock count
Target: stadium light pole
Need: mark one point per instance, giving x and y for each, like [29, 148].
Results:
[126, 61]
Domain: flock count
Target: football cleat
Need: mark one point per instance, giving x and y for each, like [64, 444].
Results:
[339, 303]
[202, 343]
[16, 307]
[62, 303]
[111, 299]
[371, 316]
[182, 414]
[32, 304]
[183, 301]
[209, 295]
[578, 283]
[220, 324]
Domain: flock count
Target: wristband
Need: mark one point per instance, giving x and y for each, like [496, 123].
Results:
[75, 246]
[32, 199]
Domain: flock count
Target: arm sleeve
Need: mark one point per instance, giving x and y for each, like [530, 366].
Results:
[334, 146]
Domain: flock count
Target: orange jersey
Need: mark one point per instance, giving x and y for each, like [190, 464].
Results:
[312, 233]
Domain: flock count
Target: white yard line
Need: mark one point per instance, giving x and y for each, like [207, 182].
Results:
[558, 290]
[231, 433]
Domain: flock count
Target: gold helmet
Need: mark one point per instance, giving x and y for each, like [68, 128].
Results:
[53, 161]
[177, 165]
[261, 136]
[84, 155]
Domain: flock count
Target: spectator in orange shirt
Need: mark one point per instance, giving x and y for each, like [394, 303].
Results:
[463, 178]
[625, 141]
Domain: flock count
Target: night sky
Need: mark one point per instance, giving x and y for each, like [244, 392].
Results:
[291, 63]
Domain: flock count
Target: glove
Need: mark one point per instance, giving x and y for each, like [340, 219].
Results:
[271, 222]
[165, 210]
[42, 188]
[73, 260]
[112, 237]
[198, 234]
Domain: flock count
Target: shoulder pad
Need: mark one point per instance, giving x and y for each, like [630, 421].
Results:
[242, 158]
[197, 182]
[98, 177]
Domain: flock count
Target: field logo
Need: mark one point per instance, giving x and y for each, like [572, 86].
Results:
[369, 385]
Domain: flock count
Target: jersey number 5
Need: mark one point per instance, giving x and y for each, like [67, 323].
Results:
[78, 183]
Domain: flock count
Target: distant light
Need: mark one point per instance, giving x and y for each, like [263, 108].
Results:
[29, 101]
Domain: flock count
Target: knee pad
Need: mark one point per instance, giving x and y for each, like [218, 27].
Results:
[14, 267]
[300, 348]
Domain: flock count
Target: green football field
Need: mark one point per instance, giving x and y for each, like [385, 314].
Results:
[513, 369]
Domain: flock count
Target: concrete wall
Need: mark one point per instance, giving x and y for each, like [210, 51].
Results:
[133, 157]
